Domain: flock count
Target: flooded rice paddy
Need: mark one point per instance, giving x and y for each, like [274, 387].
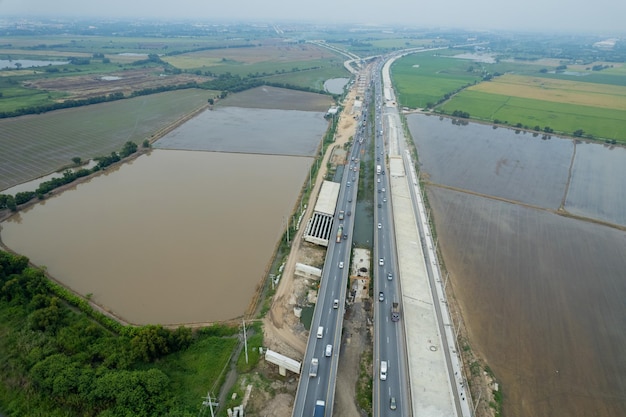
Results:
[336, 85]
[542, 294]
[173, 237]
[234, 129]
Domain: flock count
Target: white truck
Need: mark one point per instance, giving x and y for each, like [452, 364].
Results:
[378, 169]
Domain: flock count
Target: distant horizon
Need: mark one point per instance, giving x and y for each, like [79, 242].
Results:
[542, 16]
[290, 21]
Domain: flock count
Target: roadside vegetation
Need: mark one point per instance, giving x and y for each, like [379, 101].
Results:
[60, 357]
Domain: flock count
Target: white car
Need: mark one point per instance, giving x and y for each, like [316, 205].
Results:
[329, 350]
[381, 262]
[341, 265]
[380, 225]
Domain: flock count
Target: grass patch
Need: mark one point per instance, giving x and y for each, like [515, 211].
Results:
[557, 91]
[425, 78]
[364, 386]
[314, 78]
[200, 368]
[561, 117]
[255, 340]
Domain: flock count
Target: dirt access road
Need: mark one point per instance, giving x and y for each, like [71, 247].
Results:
[283, 332]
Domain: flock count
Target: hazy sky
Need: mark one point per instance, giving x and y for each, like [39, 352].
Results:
[603, 16]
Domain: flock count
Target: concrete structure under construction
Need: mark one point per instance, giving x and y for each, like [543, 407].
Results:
[284, 363]
[319, 227]
[308, 272]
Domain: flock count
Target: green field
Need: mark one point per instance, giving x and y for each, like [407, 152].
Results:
[314, 78]
[593, 102]
[14, 96]
[39, 144]
[425, 77]
[562, 117]
[199, 368]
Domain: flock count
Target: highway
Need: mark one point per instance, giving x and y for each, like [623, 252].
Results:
[333, 287]
[389, 345]
[394, 390]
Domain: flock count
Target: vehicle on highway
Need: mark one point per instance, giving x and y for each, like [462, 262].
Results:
[379, 205]
[320, 332]
[383, 370]
[389, 276]
[329, 351]
[339, 233]
[348, 183]
[383, 190]
[380, 225]
[335, 303]
[381, 296]
[341, 265]
[341, 213]
[392, 403]
[349, 199]
[395, 311]
[384, 199]
[349, 213]
[320, 409]
[381, 262]
[314, 366]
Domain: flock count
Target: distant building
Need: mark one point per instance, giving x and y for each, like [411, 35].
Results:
[332, 111]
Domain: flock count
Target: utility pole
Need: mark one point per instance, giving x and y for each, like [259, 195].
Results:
[210, 403]
[245, 340]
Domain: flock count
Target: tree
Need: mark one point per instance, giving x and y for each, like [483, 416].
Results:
[76, 160]
[128, 149]
[579, 133]
[211, 101]
[11, 203]
[150, 343]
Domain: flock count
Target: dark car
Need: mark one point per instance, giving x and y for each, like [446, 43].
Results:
[392, 403]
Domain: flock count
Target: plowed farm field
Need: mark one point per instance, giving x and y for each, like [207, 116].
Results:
[36, 145]
[541, 292]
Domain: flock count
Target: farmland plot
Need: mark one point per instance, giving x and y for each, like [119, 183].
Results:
[597, 188]
[543, 298]
[497, 162]
[35, 145]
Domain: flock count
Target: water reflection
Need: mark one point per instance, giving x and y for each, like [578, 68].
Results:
[174, 237]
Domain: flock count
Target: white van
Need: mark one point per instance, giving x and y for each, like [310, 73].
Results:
[383, 370]
[320, 332]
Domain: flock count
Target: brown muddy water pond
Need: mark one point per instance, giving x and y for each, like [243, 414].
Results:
[542, 295]
[172, 237]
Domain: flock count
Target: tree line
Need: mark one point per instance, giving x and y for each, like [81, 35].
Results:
[62, 359]
[68, 176]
